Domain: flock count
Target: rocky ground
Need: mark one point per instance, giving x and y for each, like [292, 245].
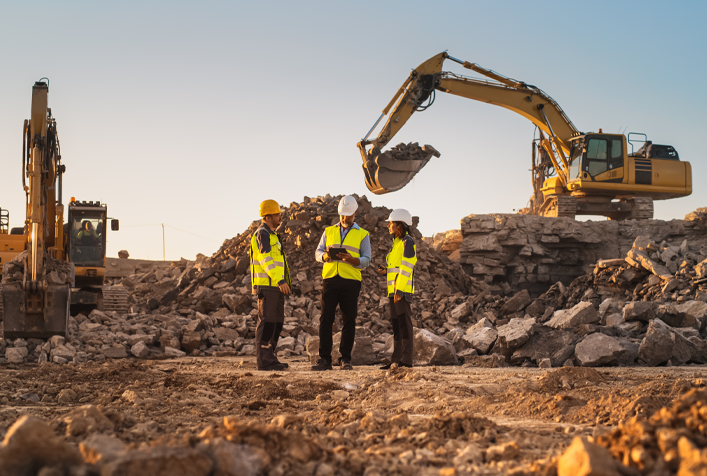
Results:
[205, 416]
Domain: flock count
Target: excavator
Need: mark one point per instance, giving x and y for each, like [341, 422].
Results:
[573, 173]
[38, 304]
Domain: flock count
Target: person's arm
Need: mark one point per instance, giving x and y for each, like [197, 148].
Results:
[406, 265]
[321, 249]
[365, 258]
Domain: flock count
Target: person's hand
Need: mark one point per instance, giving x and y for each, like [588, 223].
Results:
[382, 271]
[285, 288]
[397, 297]
[325, 256]
[347, 258]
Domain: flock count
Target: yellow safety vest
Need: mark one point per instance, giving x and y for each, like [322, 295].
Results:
[268, 269]
[352, 244]
[400, 274]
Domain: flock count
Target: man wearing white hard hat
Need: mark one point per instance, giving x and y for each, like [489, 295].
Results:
[345, 249]
[400, 273]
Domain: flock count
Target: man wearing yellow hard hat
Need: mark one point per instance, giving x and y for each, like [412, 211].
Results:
[270, 277]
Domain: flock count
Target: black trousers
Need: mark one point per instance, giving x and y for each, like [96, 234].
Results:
[271, 317]
[401, 320]
[341, 292]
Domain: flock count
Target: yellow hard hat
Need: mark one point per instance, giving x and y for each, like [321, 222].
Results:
[269, 207]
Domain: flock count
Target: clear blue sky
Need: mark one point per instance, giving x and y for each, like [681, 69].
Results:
[191, 113]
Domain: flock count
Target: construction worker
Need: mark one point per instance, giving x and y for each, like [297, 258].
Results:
[345, 249]
[270, 277]
[401, 285]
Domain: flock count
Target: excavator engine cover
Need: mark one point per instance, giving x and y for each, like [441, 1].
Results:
[53, 320]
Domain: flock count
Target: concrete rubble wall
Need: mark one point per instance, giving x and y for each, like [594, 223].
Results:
[531, 252]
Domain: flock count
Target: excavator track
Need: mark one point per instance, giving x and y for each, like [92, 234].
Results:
[559, 206]
[115, 298]
[641, 208]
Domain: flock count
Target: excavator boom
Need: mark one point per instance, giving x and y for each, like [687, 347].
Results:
[384, 175]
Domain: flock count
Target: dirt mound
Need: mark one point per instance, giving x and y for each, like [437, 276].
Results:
[568, 378]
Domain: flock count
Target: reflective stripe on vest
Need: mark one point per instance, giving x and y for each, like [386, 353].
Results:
[352, 244]
[400, 276]
[267, 269]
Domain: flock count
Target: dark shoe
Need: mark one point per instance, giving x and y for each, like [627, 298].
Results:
[386, 367]
[287, 366]
[275, 366]
[322, 365]
[400, 364]
[346, 365]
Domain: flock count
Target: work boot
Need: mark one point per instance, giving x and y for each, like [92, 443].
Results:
[275, 366]
[386, 367]
[322, 365]
[346, 365]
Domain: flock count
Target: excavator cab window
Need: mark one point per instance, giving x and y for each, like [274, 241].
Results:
[576, 154]
[596, 157]
[87, 238]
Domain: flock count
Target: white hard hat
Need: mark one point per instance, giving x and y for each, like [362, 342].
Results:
[347, 206]
[400, 214]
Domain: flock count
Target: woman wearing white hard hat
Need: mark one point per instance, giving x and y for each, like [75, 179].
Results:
[400, 274]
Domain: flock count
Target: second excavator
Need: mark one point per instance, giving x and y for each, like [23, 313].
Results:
[574, 173]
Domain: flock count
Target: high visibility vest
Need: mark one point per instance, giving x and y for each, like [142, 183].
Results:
[268, 269]
[352, 244]
[400, 276]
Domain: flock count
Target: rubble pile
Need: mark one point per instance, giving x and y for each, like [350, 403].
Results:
[411, 151]
[532, 252]
[205, 307]
[648, 308]
[56, 271]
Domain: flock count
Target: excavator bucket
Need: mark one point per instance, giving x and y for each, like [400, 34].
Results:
[39, 315]
[391, 170]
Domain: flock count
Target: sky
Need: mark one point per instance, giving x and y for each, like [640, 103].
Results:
[189, 114]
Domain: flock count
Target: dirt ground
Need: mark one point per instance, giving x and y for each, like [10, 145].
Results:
[405, 421]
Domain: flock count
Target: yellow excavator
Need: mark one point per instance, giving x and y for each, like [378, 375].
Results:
[34, 303]
[574, 173]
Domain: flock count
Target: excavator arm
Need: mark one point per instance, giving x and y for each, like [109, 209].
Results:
[385, 175]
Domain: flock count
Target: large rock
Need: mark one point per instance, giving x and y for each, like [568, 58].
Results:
[515, 333]
[554, 344]
[140, 350]
[163, 461]
[362, 353]
[238, 303]
[100, 449]
[639, 258]
[582, 313]
[115, 351]
[223, 334]
[598, 349]
[430, 349]
[191, 341]
[692, 314]
[639, 311]
[517, 303]
[16, 355]
[232, 459]
[30, 444]
[482, 339]
[583, 458]
[662, 343]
